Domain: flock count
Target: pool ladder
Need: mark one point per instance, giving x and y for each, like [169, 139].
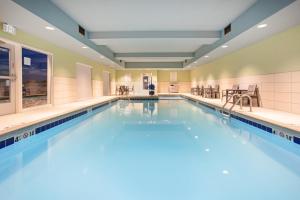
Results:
[228, 114]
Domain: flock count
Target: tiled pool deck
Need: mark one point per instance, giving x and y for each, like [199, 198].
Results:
[286, 120]
[12, 122]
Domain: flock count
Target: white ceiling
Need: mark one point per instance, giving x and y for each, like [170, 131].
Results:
[154, 15]
[154, 45]
[282, 20]
[24, 20]
[133, 15]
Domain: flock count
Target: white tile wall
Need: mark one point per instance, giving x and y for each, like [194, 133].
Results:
[280, 91]
[64, 90]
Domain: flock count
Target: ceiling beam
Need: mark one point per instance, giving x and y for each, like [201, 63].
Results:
[156, 55]
[153, 65]
[153, 34]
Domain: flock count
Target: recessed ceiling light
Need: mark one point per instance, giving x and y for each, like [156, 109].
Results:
[262, 25]
[224, 46]
[206, 56]
[50, 28]
[84, 47]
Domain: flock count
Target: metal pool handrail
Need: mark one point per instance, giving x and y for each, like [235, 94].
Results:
[238, 101]
[241, 103]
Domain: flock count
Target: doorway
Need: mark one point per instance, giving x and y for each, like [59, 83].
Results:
[106, 83]
[7, 79]
[84, 81]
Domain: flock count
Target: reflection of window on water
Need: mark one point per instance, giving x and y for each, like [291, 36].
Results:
[34, 78]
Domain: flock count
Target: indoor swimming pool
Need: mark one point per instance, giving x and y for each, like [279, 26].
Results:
[151, 150]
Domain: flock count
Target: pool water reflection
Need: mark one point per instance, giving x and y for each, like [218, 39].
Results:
[166, 149]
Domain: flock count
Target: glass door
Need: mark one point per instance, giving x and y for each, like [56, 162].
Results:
[35, 78]
[7, 80]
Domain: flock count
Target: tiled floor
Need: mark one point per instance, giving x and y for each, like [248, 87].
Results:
[16, 121]
[288, 120]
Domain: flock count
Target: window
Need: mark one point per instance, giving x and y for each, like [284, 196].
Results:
[34, 78]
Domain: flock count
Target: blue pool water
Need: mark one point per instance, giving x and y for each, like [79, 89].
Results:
[151, 150]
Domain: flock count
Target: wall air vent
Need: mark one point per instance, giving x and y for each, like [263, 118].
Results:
[81, 30]
[227, 29]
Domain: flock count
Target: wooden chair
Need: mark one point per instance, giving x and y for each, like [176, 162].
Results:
[215, 92]
[201, 91]
[208, 92]
[195, 90]
[231, 92]
[253, 93]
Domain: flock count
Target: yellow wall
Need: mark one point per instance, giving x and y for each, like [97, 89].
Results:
[182, 75]
[64, 60]
[279, 53]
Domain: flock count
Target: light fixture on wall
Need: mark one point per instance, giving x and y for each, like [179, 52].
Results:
[262, 25]
[206, 56]
[50, 28]
[84, 47]
[224, 46]
[195, 62]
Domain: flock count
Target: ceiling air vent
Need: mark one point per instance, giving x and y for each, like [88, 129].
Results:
[81, 30]
[227, 29]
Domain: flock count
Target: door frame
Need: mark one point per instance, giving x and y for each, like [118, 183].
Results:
[109, 83]
[18, 75]
[10, 107]
[78, 64]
